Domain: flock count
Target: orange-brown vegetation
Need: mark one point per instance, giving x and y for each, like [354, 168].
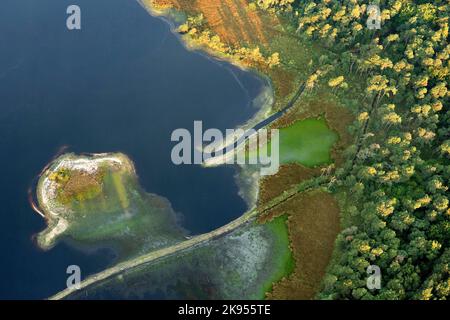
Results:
[232, 20]
[239, 26]
[78, 185]
[283, 83]
[313, 224]
[80, 181]
[288, 175]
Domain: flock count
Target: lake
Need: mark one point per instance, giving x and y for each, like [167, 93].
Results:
[123, 83]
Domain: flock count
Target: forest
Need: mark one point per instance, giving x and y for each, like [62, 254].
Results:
[394, 182]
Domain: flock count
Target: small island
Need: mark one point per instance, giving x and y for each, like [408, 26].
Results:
[96, 200]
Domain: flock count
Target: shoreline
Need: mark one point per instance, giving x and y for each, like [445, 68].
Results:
[250, 216]
[262, 111]
[54, 215]
[250, 192]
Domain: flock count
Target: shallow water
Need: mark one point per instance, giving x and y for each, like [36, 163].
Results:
[122, 83]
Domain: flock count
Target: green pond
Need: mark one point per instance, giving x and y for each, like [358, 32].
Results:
[308, 142]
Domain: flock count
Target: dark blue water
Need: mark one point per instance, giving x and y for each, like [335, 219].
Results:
[122, 83]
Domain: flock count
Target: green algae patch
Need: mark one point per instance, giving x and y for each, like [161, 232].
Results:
[307, 142]
[284, 262]
[96, 200]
